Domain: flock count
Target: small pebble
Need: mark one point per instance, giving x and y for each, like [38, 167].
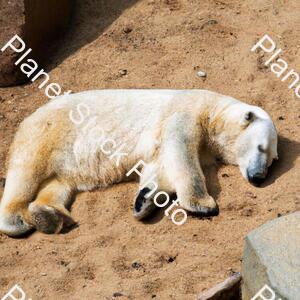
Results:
[123, 72]
[117, 294]
[171, 259]
[201, 74]
[136, 265]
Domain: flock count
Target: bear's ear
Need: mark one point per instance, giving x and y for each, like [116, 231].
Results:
[248, 118]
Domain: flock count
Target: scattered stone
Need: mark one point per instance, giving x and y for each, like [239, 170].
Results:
[117, 294]
[123, 72]
[201, 74]
[271, 257]
[120, 296]
[225, 175]
[171, 259]
[136, 265]
[281, 118]
[212, 22]
[228, 289]
[209, 22]
[43, 274]
[63, 263]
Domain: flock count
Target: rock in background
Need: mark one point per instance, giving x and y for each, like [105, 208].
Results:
[226, 290]
[38, 23]
[272, 257]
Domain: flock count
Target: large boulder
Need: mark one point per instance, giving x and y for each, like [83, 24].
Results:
[272, 259]
[38, 23]
[226, 290]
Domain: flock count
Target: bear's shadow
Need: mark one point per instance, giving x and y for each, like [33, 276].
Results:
[288, 151]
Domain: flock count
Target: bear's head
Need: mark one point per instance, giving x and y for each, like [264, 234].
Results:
[246, 136]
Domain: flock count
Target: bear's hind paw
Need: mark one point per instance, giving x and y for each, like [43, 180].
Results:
[48, 219]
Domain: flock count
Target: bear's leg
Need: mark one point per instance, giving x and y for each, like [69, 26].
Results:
[181, 165]
[143, 202]
[20, 189]
[189, 183]
[48, 212]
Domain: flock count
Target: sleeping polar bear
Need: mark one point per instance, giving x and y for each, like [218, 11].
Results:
[173, 131]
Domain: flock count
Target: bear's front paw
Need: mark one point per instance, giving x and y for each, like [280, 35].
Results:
[13, 224]
[203, 207]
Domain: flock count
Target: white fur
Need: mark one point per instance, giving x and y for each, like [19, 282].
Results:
[168, 129]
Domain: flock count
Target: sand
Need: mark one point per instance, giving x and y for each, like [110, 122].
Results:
[159, 44]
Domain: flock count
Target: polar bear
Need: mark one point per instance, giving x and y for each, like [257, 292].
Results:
[56, 151]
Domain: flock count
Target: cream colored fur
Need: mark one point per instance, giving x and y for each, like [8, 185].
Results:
[51, 157]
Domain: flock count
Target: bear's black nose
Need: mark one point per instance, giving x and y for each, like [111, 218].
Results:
[257, 178]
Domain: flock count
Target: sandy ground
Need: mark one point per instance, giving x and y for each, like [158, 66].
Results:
[160, 44]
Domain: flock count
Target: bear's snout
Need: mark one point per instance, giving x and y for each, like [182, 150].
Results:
[256, 177]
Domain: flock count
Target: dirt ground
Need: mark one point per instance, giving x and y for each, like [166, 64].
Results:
[160, 44]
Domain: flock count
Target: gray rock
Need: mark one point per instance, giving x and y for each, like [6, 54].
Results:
[272, 257]
[226, 290]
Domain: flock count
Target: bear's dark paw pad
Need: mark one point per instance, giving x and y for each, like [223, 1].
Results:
[47, 219]
[143, 206]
